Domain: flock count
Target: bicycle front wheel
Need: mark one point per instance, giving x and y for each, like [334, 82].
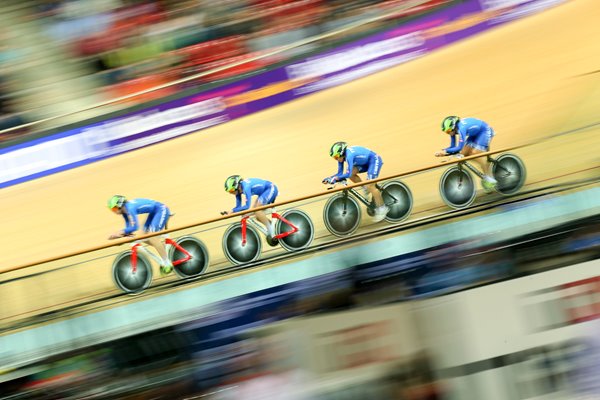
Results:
[457, 188]
[235, 250]
[341, 215]
[510, 173]
[197, 264]
[300, 239]
[128, 280]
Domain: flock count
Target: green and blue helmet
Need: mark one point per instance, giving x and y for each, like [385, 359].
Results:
[116, 201]
[232, 183]
[338, 149]
[449, 123]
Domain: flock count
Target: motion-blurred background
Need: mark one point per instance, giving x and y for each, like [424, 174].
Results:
[493, 301]
[58, 57]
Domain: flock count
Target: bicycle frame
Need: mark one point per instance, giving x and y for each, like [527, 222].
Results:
[138, 246]
[359, 196]
[471, 168]
[247, 219]
[475, 170]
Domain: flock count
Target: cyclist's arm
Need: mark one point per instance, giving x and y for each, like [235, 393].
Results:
[454, 146]
[350, 161]
[238, 200]
[340, 170]
[131, 223]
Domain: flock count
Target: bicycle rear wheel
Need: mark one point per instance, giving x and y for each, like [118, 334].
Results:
[510, 173]
[341, 215]
[195, 266]
[397, 196]
[128, 281]
[457, 188]
[233, 248]
[303, 237]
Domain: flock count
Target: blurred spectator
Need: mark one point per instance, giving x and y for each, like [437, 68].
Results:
[135, 44]
[9, 116]
[268, 373]
[416, 380]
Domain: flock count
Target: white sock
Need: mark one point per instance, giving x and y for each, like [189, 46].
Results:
[270, 229]
[166, 262]
[490, 179]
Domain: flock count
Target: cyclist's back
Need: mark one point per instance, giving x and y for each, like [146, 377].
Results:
[256, 186]
[359, 155]
[472, 127]
[143, 206]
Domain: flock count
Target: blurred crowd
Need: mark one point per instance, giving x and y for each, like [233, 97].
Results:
[114, 48]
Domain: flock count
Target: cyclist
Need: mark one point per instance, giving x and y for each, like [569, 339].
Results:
[359, 160]
[158, 215]
[469, 136]
[267, 193]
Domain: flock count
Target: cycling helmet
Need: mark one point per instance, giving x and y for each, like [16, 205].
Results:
[338, 149]
[116, 201]
[449, 123]
[232, 183]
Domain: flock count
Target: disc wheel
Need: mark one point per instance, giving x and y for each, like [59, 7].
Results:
[196, 265]
[128, 280]
[239, 253]
[397, 196]
[300, 239]
[510, 173]
[341, 215]
[457, 188]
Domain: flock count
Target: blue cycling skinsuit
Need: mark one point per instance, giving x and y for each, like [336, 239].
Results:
[471, 132]
[364, 159]
[158, 215]
[265, 190]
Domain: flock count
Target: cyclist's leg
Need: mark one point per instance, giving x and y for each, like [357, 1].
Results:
[157, 222]
[267, 197]
[354, 178]
[375, 164]
[481, 144]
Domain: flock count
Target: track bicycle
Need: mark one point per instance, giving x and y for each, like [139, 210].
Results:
[132, 270]
[342, 212]
[457, 186]
[294, 231]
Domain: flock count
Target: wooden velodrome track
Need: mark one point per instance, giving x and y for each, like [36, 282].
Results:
[529, 79]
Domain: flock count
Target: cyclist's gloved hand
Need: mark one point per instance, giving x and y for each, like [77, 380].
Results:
[326, 180]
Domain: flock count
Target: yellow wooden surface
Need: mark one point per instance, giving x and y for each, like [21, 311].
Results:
[528, 79]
